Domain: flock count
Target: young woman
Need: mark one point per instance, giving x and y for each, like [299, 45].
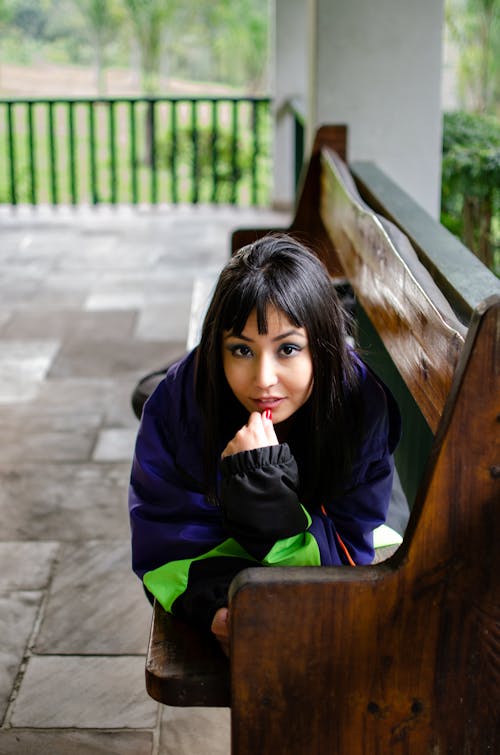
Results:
[271, 443]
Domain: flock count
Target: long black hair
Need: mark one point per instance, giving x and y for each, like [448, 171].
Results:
[280, 272]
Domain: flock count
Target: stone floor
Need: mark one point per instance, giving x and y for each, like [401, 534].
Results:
[90, 300]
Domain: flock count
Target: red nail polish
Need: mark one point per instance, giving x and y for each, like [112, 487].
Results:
[268, 414]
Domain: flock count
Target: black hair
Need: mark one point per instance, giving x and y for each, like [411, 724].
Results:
[280, 272]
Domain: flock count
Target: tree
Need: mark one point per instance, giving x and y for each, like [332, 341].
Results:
[236, 33]
[149, 19]
[102, 18]
[471, 181]
[474, 25]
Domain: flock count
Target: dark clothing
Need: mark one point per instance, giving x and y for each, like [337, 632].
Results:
[187, 550]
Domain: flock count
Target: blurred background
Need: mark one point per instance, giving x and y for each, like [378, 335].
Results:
[193, 94]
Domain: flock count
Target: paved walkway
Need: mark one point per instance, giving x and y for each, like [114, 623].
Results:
[89, 301]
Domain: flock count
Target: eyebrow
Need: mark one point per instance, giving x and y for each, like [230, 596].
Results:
[277, 338]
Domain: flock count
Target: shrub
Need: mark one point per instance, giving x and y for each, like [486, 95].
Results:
[470, 197]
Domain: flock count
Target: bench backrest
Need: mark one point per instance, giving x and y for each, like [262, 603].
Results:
[401, 657]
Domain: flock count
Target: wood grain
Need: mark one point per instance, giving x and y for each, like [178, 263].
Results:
[415, 322]
[403, 657]
[184, 665]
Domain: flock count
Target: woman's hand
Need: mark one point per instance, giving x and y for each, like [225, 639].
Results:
[220, 627]
[257, 433]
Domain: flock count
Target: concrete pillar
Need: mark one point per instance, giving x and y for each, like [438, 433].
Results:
[290, 81]
[376, 66]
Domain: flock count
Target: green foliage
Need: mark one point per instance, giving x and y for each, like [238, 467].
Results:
[148, 19]
[471, 182]
[223, 41]
[474, 25]
[217, 162]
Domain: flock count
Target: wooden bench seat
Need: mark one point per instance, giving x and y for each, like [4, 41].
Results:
[401, 657]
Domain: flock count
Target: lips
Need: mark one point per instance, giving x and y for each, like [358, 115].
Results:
[269, 402]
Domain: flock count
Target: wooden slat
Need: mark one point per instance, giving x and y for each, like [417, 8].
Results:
[184, 665]
[415, 322]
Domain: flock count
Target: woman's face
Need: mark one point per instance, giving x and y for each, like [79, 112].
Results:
[272, 371]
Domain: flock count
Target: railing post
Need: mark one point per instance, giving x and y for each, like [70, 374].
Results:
[213, 142]
[94, 191]
[72, 160]
[133, 151]
[12, 152]
[152, 148]
[32, 154]
[51, 156]
[112, 152]
[195, 162]
[52, 153]
[234, 149]
[173, 153]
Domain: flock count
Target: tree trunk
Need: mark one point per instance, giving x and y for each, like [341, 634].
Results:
[485, 247]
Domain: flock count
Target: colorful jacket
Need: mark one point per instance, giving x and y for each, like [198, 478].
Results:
[187, 551]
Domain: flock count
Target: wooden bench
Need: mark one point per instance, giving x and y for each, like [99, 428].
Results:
[402, 656]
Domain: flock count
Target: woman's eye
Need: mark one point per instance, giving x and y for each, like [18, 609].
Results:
[288, 349]
[240, 351]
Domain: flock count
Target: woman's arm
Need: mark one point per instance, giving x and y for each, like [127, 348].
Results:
[180, 548]
[262, 508]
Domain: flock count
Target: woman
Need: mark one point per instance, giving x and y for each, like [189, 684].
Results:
[271, 443]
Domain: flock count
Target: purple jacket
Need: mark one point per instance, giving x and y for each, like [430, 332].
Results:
[187, 550]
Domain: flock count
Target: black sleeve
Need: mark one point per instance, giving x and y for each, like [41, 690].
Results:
[259, 497]
[260, 505]
[207, 589]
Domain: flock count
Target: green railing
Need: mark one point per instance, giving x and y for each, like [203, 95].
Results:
[135, 150]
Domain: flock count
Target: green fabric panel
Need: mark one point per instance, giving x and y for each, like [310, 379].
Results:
[169, 581]
[416, 441]
[298, 550]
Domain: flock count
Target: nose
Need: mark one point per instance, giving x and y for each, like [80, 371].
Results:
[265, 372]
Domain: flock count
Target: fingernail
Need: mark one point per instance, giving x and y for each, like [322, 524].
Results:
[268, 414]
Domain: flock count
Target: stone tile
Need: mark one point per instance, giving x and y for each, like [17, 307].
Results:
[49, 443]
[70, 742]
[109, 397]
[5, 316]
[17, 288]
[61, 289]
[96, 605]
[18, 612]
[81, 358]
[118, 409]
[64, 323]
[84, 692]
[23, 364]
[195, 731]
[51, 289]
[26, 566]
[169, 321]
[116, 300]
[115, 444]
[30, 359]
[76, 501]
[132, 289]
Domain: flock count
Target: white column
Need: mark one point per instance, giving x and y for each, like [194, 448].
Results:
[290, 81]
[376, 66]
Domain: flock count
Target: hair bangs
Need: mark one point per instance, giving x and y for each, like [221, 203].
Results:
[258, 294]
